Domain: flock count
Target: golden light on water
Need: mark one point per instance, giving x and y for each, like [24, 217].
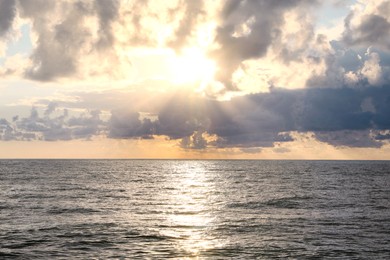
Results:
[192, 216]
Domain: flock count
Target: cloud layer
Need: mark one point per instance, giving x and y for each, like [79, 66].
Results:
[52, 128]
[340, 117]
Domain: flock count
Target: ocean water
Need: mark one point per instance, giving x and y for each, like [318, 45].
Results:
[158, 209]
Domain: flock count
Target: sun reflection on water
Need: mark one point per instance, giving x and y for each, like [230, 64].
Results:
[191, 217]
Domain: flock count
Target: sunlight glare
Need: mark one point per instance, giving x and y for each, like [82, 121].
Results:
[191, 217]
[193, 66]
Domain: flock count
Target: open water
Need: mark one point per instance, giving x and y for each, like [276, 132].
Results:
[158, 209]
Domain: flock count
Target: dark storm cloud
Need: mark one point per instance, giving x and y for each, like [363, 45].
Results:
[340, 117]
[346, 58]
[333, 110]
[349, 138]
[262, 18]
[7, 15]
[384, 136]
[181, 116]
[333, 113]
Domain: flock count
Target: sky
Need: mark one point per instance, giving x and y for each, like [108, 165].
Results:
[216, 79]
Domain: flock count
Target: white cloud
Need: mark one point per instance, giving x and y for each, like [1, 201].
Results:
[372, 70]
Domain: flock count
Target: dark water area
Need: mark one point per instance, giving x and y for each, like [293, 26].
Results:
[157, 209]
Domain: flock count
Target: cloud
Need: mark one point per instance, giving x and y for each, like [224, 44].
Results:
[6, 130]
[370, 26]
[340, 117]
[68, 34]
[51, 107]
[52, 127]
[196, 141]
[372, 70]
[352, 117]
[7, 15]
[383, 135]
[181, 116]
[247, 31]
[191, 12]
[71, 35]
[9, 132]
[353, 68]
[277, 44]
[274, 42]
[59, 44]
[107, 12]
[348, 138]
[125, 125]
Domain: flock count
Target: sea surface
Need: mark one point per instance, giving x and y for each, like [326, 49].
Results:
[200, 209]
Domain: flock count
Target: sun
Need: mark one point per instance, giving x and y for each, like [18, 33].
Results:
[192, 66]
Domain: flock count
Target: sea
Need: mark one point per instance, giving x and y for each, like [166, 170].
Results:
[194, 209]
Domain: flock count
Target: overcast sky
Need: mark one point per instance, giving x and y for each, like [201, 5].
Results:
[291, 79]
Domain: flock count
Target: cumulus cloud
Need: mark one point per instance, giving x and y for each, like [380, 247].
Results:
[288, 57]
[372, 70]
[60, 43]
[67, 34]
[249, 29]
[353, 68]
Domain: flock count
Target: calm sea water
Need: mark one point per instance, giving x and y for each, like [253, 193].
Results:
[137, 209]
